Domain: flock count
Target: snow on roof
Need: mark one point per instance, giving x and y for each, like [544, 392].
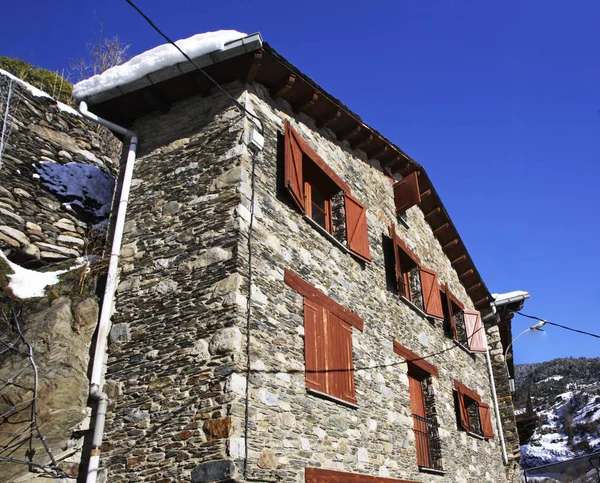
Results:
[39, 93]
[502, 297]
[153, 60]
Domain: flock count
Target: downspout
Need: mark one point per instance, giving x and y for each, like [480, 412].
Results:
[494, 396]
[496, 408]
[109, 294]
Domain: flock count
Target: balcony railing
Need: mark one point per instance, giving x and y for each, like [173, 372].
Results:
[427, 440]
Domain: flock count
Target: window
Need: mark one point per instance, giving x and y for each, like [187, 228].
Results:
[425, 426]
[327, 342]
[407, 193]
[323, 197]
[414, 282]
[473, 415]
[464, 326]
[318, 205]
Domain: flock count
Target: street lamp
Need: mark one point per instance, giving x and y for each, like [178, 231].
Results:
[536, 326]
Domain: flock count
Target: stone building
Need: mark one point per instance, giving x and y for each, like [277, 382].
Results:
[294, 302]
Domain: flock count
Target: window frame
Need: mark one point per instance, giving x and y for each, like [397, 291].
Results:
[309, 187]
[428, 279]
[328, 347]
[462, 394]
[418, 371]
[300, 161]
[475, 337]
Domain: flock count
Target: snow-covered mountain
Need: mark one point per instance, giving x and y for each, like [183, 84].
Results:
[566, 397]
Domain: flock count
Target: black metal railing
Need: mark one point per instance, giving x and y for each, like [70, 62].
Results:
[427, 440]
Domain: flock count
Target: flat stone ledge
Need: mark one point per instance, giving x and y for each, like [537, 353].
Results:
[414, 307]
[325, 233]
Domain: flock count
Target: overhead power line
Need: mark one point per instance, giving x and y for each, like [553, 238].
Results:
[560, 325]
[191, 61]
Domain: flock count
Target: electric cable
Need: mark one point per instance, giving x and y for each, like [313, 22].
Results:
[191, 61]
[559, 325]
[249, 370]
[249, 311]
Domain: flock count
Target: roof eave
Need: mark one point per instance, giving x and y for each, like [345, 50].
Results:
[231, 49]
[261, 63]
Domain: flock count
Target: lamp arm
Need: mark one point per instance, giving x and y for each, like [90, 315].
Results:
[514, 340]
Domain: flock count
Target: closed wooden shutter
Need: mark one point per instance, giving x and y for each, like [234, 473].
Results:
[340, 366]
[319, 475]
[485, 417]
[314, 346]
[406, 192]
[462, 407]
[431, 293]
[293, 166]
[417, 404]
[356, 227]
[475, 331]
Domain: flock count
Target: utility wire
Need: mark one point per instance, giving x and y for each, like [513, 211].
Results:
[254, 116]
[249, 311]
[559, 325]
[191, 61]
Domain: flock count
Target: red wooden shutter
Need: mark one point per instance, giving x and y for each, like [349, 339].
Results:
[398, 271]
[475, 331]
[431, 293]
[356, 228]
[465, 423]
[314, 346]
[319, 475]
[293, 166]
[340, 366]
[417, 404]
[406, 192]
[485, 417]
[416, 360]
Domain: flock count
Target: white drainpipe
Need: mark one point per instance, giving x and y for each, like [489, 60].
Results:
[494, 396]
[109, 294]
[496, 408]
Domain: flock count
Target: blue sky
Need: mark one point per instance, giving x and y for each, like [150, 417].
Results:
[500, 101]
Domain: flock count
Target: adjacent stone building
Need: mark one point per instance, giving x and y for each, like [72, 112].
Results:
[56, 170]
[295, 303]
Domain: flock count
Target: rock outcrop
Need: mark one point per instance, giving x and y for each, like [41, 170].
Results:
[59, 333]
[57, 174]
[56, 171]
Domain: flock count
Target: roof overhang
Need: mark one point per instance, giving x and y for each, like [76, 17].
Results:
[251, 60]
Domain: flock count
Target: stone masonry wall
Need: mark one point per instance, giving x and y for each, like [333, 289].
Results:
[176, 339]
[36, 228]
[505, 397]
[176, 372]
[290, 429]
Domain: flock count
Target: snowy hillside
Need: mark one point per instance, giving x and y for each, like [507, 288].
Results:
[566, 396]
